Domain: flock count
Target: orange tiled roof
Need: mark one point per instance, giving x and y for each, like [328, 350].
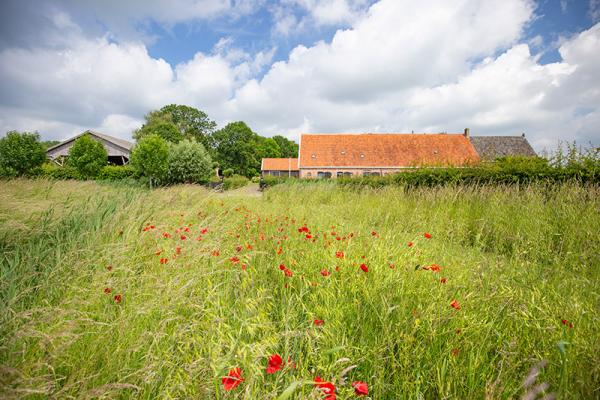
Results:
[385, 150]
[279, 164]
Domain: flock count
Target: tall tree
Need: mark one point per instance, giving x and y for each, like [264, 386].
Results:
[88, 156]
[289, 148]
[236, 147]
[267, 148]
[150, 157]
[191, 123]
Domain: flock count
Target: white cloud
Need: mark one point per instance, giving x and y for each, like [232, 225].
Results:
[399, 67]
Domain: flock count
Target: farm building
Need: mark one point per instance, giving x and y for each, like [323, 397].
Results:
[118, 149]
[490, 148]
[280, 167]
[336, 155]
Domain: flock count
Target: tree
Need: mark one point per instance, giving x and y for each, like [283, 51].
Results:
[159, 125]
[235, 147]
[87, 156]
[289, 148]
[267, 148]
[20, 153]
[150, 158]
[190, 122]
[189, 162]
[49, 143]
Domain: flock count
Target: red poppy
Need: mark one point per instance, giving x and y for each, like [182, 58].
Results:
[324, 272]
[338, 238]
[410, 244]
[282, 267]
[182, 237]
[455, 352]
[216, 253]
[238, 248]
[118, 298]
[318, 322]
[427, 236]
[567, 323]
[186, 229]
[392, 266]
[339, 254]
[308, 236]
[233, 379]
[364, 268]
[327, 387]
[360, 388]
[178, 250]
[164, 260]
[279, 250]
[107, 290]
[109, 267]
[337, 268]
[204, 230]
[166, 235]
[454, 304]
[243, 267]
[443, 280]
[373, 233]
[288, 273]
[234, 260]
[274, 365]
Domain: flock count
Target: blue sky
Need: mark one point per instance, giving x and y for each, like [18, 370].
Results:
[289, 66]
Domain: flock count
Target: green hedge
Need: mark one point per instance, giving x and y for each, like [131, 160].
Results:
[116, 173]
[234, 182]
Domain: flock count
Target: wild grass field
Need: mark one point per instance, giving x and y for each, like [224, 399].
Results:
[109, 291]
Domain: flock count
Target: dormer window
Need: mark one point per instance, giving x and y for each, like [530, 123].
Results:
[343, 152]
[362, 156]
[314, 156]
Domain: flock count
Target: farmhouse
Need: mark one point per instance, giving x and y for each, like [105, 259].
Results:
[336, 155]
[118, 149]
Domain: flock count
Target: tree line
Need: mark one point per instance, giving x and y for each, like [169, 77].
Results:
[176, 144]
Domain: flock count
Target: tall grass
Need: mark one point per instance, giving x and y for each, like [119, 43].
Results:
[518, 260]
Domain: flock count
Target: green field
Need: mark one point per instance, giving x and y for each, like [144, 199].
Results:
[517, 261]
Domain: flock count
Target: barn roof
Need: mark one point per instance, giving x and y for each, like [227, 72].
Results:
[373, 150]
[279, 164]
[124, 144]
[491, 147]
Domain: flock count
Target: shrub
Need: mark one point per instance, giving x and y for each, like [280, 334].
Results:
[189, 162]
[88, 156]
[255, 179]
[150, 158]
[116, 173]
[228, 172]
[53, 171]
[234, 182]
[20, 153]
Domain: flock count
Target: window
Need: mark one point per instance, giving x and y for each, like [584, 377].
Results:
[340, 174]
[308, 174]
[323, 175]
[347, 174]
[314, 156]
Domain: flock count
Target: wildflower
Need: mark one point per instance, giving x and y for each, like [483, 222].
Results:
[204, 230]
[392, 266]
[337, 268]
[107, 290]
[158, 252]
[164, 260]
[234, 260]
[279, 250]
[233, 379]
[288, 273]
[364, 268]
[324, 272]
[338, 238]
[166, 235]
[339, 254]
[282, 267]
[567, 323]
[216, 253]
[318, 322]
[182, 237]
[249, 246]
[443, 280]
[373, 233]
[109, 267]
[454, 304]
[275, 362]
[410, 244]
[327, 387]
[118, 298]
[308, 236]
[178, 250]
[360, 388]
[238, 248]
[427, 235]
[455, 352]
[243, 267]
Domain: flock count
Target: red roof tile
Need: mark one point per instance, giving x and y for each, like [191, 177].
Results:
[279, 164]
[385, 150]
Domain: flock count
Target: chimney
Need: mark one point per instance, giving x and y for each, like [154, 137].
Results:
[466, 132]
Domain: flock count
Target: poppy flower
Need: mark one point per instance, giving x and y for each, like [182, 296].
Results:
[338, 238]
[373, 233]
[392, 266]
[443, 280]
[318, 322]
[308, 236]
[183, 237]
[567, 323]
[327, 387]
[274, 365]
[282, 267]
[360, 388]
[234, 260]
[339, 254]
[238, 248]
[279, 250]
[324, 272]
[164, 260]
[109, 267]
[427, 236]
[454, 304]
[233, 379]
[118, 298]
[288, 273]
[166, 235]
[243, 267]
[204, 230]
[249, 246]
[216, 253]
[107, 290]
[178, 250]
[364, 268]
[455, 352]
[337, 268]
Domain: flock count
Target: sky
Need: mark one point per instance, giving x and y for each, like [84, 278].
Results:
[291, 66]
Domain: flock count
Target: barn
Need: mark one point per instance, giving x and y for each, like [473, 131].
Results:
[118, 150]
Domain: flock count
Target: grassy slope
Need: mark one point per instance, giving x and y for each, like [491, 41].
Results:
[517, 261]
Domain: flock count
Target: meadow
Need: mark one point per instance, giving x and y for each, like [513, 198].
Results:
[453, 292]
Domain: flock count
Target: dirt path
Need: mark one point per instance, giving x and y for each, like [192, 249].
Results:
[250, 190]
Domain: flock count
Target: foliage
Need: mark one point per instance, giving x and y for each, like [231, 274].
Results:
[53, 171]
[518, 261]
[236, 148]
[116, 172]
[88, 156]
[190, 123]
[228, 172]
[189, 162]
[20, 153]
[150, 158]
[288, 148]
[235, 182]
[49, 143]
[267, 148]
